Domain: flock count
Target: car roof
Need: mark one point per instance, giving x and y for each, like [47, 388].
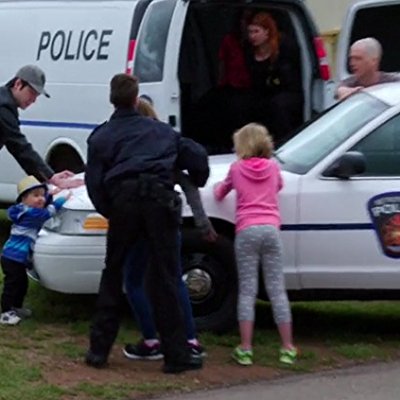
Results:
[389, 93]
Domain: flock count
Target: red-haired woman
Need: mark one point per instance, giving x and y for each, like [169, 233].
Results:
[275, 71]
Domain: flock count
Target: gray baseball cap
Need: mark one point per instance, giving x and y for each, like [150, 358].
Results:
[33, 76]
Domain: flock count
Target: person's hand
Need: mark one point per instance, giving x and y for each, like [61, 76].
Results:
[344, 92]
[65, 180]
[211, 235]
[64, 174]
[55, 190]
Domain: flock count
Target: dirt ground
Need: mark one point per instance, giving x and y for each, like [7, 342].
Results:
[146, 376]
[326, 340]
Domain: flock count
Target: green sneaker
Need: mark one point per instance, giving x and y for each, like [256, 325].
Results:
[243, 357]
[288, 356]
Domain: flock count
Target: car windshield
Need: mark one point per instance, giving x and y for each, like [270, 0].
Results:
[328, 131]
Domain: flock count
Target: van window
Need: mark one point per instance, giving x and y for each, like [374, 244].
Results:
[150, 51]
[382, 23]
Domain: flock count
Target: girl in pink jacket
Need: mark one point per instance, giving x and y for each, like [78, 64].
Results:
[257, 180]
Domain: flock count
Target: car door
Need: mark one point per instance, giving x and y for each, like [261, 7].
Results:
[338, 246]
[156, 57]
[378, 19]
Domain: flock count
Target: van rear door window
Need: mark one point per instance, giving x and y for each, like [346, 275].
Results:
[382, 23]
[150, 50]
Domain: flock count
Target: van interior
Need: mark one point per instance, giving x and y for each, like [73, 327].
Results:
[202, 113]
[382, 23]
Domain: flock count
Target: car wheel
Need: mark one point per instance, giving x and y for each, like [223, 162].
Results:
[209, 272]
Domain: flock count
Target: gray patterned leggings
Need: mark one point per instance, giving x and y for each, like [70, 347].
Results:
[261, 243]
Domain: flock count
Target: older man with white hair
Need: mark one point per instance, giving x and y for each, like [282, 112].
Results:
[364, 58]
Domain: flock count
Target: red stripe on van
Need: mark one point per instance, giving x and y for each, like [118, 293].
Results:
[131, 54]
[324, 69]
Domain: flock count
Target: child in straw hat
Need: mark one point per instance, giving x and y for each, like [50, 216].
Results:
[34, 207]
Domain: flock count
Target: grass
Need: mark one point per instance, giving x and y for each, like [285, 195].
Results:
[20, 381]
[328, 334]
[42, 357]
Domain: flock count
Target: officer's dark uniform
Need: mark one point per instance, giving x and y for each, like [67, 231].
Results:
[16, 143]
[129, 177]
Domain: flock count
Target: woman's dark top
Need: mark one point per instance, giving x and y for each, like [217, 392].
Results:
[283, 74]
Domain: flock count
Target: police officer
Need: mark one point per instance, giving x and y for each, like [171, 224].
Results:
[21, 92]
[129, 178]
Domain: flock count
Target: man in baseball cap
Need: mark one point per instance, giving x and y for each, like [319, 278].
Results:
[34, 77]
[21, 92]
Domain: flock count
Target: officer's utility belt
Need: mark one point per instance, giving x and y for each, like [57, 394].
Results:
[149, 187]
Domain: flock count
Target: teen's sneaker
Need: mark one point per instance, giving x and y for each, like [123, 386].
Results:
[142, 351]
[23, 313]
[9, 318]
[243, 357]
[288, 356]
[196, 349]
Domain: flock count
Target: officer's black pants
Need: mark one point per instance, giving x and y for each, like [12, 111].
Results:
[130, 219]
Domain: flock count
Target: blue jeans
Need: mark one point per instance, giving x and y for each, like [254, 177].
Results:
[134, 272]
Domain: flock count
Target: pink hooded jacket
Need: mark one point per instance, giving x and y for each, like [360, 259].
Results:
[257, 182]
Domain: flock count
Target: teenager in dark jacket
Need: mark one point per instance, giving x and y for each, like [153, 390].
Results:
[148, 348]
[21, 92]
[130, 180]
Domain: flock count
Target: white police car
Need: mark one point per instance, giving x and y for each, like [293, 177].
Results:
[340, 211]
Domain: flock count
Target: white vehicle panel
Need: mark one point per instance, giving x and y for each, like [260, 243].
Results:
[69, 264]
[79, 47]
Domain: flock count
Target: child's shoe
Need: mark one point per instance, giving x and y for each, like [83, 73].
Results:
[9, 318]
[243, 357]
[23, 313]
[288, 356]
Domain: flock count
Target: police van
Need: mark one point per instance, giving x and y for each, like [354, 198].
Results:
[171, 45]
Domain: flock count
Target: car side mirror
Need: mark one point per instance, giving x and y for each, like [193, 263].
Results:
[347, 165]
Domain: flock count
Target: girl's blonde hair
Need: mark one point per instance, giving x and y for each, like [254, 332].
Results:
[253, 140]
[144, 108]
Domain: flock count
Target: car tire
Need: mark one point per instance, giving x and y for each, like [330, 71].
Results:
[209, 271]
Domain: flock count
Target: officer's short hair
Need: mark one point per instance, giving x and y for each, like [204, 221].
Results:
[124, 90]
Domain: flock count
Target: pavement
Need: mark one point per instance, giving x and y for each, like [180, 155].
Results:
[378, 381]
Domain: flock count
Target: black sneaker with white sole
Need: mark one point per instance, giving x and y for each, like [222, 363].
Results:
[196, 350]
[142, 351]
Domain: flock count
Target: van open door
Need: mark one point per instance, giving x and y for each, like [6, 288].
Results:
[156, 57]
[378, 19]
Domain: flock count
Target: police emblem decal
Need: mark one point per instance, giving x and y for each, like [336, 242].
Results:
[384, 211]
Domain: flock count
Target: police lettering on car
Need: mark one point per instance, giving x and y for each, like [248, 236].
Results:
[74, 45]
